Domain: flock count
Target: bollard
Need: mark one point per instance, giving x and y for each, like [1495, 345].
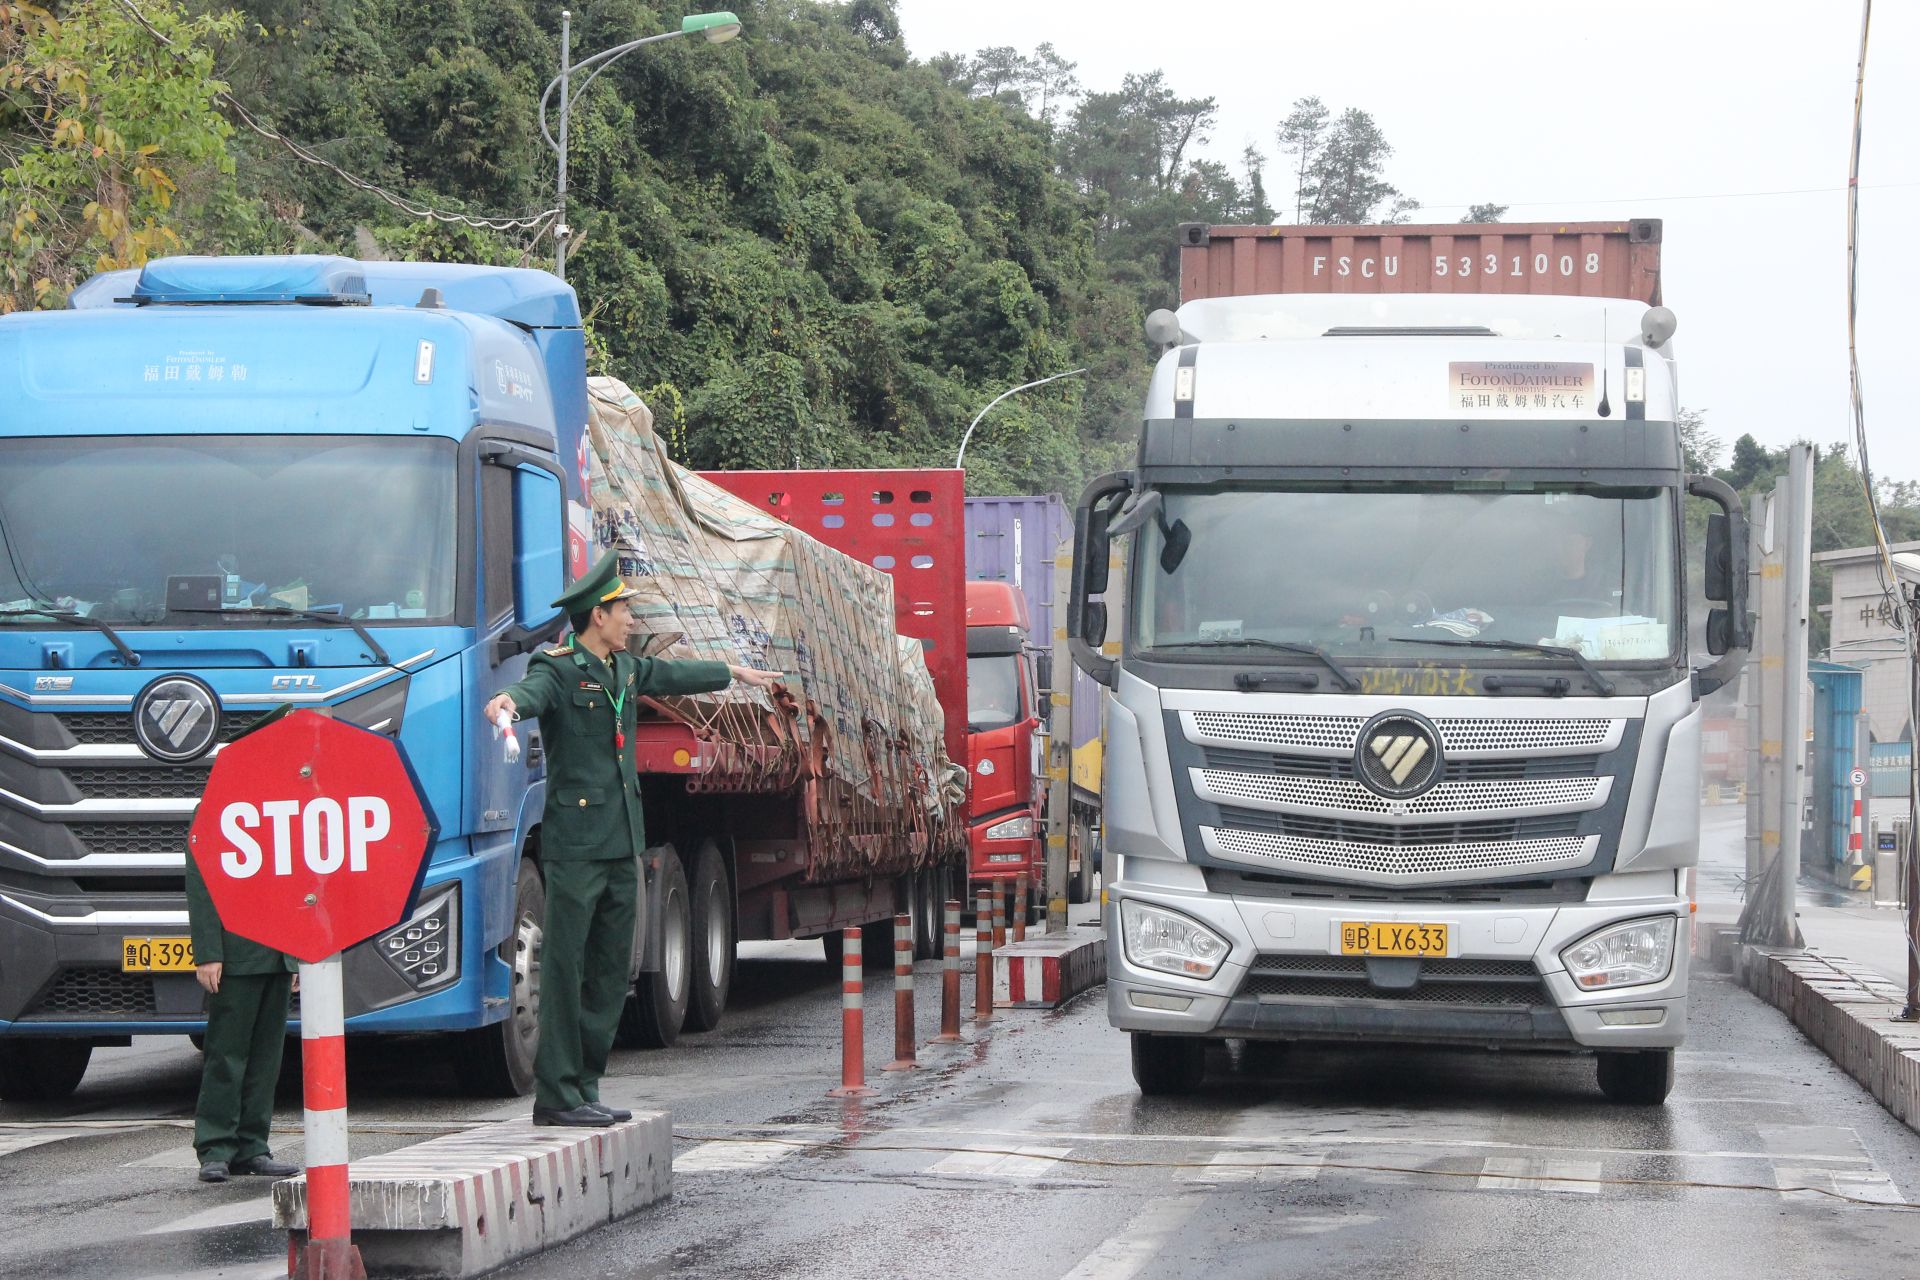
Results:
[999, 915]
[853, 1026]
[950, 977]
[902, 995]
[1020, 908]
[329, 1252]
[983, 958]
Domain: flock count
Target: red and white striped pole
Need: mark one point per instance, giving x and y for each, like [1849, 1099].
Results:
[1856, 854]
[1020, 908]
[903, 1059]
[950, 977]
[983, 954]
[330, 1253]
[853, 1021]
[999, 914]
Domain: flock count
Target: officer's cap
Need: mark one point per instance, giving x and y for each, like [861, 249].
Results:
[600, 585]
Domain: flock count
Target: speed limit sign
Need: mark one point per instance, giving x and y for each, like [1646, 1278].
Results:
[1859, 777]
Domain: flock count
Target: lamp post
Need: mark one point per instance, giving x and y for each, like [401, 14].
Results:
[716, 27]
[1040, 382]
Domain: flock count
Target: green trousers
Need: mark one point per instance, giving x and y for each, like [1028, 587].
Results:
[246, 1030]
[586, 961]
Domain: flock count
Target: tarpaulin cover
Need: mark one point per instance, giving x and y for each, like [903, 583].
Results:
[858, 728]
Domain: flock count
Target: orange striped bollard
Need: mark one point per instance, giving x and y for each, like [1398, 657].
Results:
[999, 915]
[950, 977]
[329, 1252]
[983, 958]
[902, 995]
[1020, 908]
[853, 1023]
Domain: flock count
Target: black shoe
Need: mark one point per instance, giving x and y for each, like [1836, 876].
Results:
[213, 1171]
[620, 1114]
[581, 1117]
[261, 1166]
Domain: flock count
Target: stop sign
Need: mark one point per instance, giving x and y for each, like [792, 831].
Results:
[312, 835]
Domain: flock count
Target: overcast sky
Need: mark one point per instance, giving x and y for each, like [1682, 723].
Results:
[1583, 112]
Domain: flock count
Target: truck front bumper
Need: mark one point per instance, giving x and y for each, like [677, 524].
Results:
[1253, 994]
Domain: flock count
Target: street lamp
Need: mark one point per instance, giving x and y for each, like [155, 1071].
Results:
[1041, 382]
[716, 27]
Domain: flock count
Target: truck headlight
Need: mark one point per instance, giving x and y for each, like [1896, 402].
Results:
[1169, 942]
[424, 949]
[1012, 829]
[1622, 955]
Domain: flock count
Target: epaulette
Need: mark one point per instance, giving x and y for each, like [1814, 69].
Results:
[559, 650]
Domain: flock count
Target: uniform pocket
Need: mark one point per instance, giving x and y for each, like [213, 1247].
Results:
[592, 712]
[581, 797]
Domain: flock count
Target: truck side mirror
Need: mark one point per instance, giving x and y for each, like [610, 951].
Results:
[1716, 582]
[539, 548]
[1719, 631]
[1043, 674]
[1092, 547]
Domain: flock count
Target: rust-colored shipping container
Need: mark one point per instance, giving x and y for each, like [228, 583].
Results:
[1589, 259]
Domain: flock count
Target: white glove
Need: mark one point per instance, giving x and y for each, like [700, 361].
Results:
[503, 727]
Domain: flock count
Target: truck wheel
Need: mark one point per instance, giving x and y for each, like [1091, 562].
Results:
[711, 897]
[497, 1060]
[42, 1070]
[657, 1009]
[1168, 1066]
[1080, 890]
[929, 914]
[833, 944]
[1641, 1079]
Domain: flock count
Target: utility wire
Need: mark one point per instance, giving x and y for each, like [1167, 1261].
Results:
[1696, 195]
[536, 222]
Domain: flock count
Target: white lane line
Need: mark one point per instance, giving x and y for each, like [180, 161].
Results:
[1133, 1249]
[720, 1157]
[244, 1212]
[1029, 1162]
[1254, 1166]
[21, 1140]
[1506, 1173]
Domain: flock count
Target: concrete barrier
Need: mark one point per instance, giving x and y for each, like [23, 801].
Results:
[1848, 1010]
[469, 1202]
[1045, 972]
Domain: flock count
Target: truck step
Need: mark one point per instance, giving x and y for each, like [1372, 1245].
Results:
[1048, 971]
[469, 1202]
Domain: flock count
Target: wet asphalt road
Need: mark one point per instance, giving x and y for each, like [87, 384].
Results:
[1027, 1152]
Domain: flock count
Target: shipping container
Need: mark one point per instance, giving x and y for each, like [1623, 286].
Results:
[1585, 259]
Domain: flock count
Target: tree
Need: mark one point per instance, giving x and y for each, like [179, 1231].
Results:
[1344, 182]
[1485, 213]
[114, 146]
[1700, 448]
[1052, 82]
[1302, 135]
[1258, 211]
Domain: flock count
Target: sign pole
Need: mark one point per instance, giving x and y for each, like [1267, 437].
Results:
[330, 1253]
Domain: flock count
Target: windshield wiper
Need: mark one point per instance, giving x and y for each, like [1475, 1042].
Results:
[311, 615]
[1600, 683]
[72, 618]
[1340, 673]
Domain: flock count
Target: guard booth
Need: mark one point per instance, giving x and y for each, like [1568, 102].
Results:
[1837, 752]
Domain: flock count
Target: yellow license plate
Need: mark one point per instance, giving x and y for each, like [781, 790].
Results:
[1373, 938]
[156, 955]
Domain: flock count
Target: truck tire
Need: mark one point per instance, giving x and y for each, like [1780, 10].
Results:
[1080, 889]
[42, 1070]
[711, 896]
[657, 1007]
[1168, 1066]
[833, 945]
[1639, 1079]
[497, 1061]
[931, 943]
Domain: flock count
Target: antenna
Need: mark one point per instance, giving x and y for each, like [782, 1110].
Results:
[1606, 409]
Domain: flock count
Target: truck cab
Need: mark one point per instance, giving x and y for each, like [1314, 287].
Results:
[1003, 742]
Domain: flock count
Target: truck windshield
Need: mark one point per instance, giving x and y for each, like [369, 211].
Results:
[1362, 570]
[993, 692]
[364, 525]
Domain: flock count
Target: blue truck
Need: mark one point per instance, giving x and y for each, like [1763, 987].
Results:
[228, 484]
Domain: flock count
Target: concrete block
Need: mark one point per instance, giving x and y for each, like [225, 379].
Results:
[469, 1202]
[1046, 972]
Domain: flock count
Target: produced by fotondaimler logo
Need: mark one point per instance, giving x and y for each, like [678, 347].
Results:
[1399, 755]
[176, 719]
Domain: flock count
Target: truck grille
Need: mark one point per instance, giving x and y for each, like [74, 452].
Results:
[1343, 795]
[92, 993]
[1317, 856]
[132, 837]
[1482, 983]
[1342, 766]
[1458, 736]
[108, 782]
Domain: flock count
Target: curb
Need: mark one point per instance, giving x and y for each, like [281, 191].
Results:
[1045, 972]
[1850, 1012]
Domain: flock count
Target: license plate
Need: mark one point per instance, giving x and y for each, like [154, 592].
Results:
[1374, 938]
[156, 955]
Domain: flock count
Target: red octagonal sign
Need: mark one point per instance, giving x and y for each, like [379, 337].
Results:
[312, 835]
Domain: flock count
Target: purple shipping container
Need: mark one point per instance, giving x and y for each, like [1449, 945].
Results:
[1015, 540]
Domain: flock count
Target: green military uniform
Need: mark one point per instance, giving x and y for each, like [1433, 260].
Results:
[590, 837]
[246, 1030]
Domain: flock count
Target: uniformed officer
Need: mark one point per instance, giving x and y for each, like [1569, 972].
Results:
[247, 986]
[586, 694]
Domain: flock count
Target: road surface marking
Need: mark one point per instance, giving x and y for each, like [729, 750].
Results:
[243, 1213]
[1864, 1184]
[1246, 1166]
[1029, 1162]
[1130, 1252]
[21, 1139]
[1508, 1173]
[718, 1157]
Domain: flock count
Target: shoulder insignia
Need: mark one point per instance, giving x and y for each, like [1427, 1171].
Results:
[559, 650]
